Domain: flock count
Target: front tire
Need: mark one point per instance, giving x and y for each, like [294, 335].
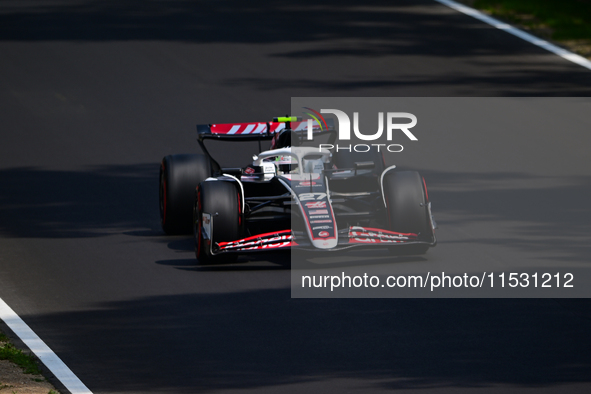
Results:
[217, 215]
[406, 203]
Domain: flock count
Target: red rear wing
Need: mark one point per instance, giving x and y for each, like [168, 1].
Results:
[246, 128]
[254, 128]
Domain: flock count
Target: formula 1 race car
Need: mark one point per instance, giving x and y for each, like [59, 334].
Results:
[291, 195]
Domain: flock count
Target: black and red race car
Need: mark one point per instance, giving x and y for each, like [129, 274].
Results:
[291, 195]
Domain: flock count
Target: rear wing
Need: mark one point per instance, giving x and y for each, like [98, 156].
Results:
[256, 131]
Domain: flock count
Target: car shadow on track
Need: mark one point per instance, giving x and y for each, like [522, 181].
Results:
[264, 263]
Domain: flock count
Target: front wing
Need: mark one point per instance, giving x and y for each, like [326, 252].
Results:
[354, 236]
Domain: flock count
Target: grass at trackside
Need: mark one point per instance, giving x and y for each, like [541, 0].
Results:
[9, 352]
[567, 22]
[569, 19]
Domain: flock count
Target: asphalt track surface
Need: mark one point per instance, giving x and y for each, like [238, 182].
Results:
[94, 93]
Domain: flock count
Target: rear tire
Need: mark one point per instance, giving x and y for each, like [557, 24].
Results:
[179, 176]
[406, 202]
[222, 201]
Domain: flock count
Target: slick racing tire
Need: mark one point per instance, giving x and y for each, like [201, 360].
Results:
[217, 216]
[406, 203]
[346, 159]
[179, 177]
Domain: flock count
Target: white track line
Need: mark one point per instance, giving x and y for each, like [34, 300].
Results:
[42, 351]
[563, 53]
